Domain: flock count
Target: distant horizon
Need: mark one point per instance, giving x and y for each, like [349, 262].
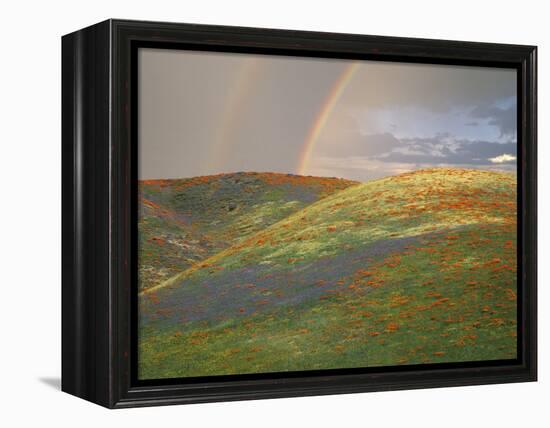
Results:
[496, 170]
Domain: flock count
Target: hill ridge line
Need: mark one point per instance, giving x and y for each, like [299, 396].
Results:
[258, 235]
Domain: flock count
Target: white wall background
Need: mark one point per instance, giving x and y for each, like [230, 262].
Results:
[30, 211]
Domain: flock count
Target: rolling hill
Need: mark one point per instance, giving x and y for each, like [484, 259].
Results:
[415, 268]
[184, 221]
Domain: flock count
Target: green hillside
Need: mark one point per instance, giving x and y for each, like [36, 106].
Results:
[186, 220]
[416, 268]
[168, 243]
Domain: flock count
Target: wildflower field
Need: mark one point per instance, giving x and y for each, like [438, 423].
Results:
[262, 272]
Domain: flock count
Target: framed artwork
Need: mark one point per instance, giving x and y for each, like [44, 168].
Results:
[253, 213]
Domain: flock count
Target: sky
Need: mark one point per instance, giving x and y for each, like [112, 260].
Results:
[203, 113]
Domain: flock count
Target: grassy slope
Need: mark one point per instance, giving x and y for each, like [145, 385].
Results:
[409, 269]
[168, 243]
[187, 220]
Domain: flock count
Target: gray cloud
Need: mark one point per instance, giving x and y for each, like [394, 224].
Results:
[505, 119]
[443, 148]
[437, 88]
[394, 155]
[434, 150]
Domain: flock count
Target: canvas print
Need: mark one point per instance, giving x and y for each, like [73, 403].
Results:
[311, 214]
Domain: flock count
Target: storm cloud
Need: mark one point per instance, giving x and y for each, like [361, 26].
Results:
[505, 119]
[447, 150]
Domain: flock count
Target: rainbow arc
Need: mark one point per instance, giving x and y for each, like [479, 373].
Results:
[323, 115]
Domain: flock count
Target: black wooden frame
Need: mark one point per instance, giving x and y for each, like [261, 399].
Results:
[99, 209]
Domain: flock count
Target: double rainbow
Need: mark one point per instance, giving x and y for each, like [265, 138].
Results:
[235, 103]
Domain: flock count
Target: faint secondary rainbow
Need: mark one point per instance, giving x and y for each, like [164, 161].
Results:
[323, 115]
[234, 106]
